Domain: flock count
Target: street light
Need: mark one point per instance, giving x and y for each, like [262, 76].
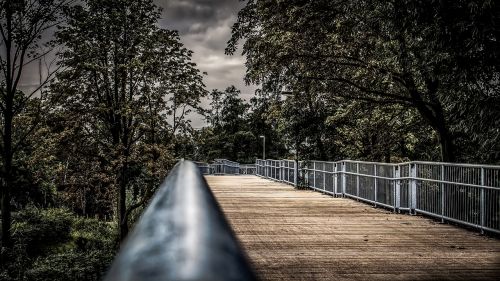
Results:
[263, 147]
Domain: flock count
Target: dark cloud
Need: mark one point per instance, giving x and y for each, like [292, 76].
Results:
[205, 28]
[191, 16]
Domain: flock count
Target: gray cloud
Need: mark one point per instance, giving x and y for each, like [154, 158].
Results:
[189, 16]
[205, 28]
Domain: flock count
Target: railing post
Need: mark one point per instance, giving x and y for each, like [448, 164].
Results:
[442, 194]
[324, 177]
[413, 188]
[343, 179]
[357, 179]
[281, 170]
[295, 172]
[314, 174]
[397, 187]
[482, 203]
[375, 183]
[335, 185]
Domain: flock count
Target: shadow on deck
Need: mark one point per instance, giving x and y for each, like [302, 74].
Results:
[304, 235]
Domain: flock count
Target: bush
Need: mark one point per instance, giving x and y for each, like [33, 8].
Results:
[54, 244]
[90, 234]
[41, 229]
[73, 265]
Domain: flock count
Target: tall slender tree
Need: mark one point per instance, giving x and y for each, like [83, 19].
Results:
[22, 26]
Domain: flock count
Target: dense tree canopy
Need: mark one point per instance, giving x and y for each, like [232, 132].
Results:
[124, 77]
[95, 138]
[428, 55]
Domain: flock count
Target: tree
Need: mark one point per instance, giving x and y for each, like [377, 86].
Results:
[124, 77]
[22, 25]
[263, 119]
[228, 135]
[416, 54]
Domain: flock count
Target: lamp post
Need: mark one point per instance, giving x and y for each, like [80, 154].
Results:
[263, 147]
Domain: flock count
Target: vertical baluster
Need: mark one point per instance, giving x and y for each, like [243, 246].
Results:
[295, 172]
[442, 194]
[482, 203]
[375, 179]
[357, 179]
[397, 188]
[324, 177]
[413, 187]
[314, 174]
[343, 179]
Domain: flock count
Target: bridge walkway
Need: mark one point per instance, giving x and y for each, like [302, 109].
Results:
[304, 235]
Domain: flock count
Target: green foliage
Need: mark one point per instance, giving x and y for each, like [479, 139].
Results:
[90, 265]
[53, 244]
[38, 229]
[126, 92]
[430, 56]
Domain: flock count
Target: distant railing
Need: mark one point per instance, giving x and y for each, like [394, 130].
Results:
[225, 167]
[182, 235]
[204, 168]
[461, 193]
[247, 169]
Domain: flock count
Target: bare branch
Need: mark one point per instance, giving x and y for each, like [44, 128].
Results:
[35, 58]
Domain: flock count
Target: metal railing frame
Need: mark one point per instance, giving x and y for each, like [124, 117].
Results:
[182, 235]
[225, 167]
[467, 194]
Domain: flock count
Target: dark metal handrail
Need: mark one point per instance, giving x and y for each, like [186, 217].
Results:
[182, 235]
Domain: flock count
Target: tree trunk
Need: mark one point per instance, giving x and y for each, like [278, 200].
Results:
[8, 115]
[433, 113]
[446, 144]
[122, 209]
[7, 163]
[6, 216]
[321, 147]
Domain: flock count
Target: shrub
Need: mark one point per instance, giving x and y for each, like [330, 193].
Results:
[53, 244]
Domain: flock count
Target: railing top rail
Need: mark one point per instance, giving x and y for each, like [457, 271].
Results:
[369, 162]
[226, 161]
[453, 164]
[487, 166]
[204, 164]
[182, 235]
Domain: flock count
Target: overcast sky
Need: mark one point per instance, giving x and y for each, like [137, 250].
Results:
[205, 28]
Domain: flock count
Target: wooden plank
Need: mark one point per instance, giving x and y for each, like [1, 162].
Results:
[304, 235]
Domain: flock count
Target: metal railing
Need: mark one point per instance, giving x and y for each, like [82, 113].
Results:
[247, 169]
[225, 167]
[204, 168]
[461, 193]
[182, 235]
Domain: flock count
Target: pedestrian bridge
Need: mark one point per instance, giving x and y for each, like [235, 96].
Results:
[292, 234]
[369, 221]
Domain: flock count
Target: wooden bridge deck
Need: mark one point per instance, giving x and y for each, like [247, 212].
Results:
[304, 235]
